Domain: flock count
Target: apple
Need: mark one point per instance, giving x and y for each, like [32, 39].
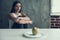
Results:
[35, 30]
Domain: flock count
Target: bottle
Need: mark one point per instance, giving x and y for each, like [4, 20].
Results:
[35, 30]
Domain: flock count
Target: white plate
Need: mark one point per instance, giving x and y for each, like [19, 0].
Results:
[30, 35]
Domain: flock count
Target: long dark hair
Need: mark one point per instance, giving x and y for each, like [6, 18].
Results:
[14, 4]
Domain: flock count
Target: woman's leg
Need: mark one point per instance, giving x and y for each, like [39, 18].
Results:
[16, 26]
[25, 25]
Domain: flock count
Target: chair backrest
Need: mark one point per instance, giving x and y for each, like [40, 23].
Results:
[10, 24]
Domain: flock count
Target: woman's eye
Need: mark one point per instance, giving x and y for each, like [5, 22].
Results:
[19, 6]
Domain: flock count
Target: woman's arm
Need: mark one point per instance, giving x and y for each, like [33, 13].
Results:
[19, 20]
[25, 18]
[26, 22]
[13, 17]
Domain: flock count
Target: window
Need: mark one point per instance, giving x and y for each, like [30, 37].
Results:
[55, 7]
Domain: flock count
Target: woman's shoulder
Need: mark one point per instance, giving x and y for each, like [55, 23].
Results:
[12, 14]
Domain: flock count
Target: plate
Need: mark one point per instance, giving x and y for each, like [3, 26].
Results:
[30, 35]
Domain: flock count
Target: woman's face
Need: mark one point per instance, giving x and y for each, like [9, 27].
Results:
[17, 7]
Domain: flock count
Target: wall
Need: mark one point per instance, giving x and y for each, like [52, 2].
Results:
[55, 21]
[37, 10]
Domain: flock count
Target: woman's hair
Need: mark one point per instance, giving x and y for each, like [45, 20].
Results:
[14, 4]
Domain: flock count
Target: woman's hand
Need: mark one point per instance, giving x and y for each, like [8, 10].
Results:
[28, 22]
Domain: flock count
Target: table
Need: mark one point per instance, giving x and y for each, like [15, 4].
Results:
[16, 34]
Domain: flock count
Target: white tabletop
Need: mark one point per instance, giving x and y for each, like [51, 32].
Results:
[17, 34]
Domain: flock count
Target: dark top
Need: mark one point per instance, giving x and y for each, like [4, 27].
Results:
[16, 25]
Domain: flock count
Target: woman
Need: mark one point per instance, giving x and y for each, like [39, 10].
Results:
[19, 18]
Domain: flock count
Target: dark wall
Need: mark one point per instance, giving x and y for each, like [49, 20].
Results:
[37, 10]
